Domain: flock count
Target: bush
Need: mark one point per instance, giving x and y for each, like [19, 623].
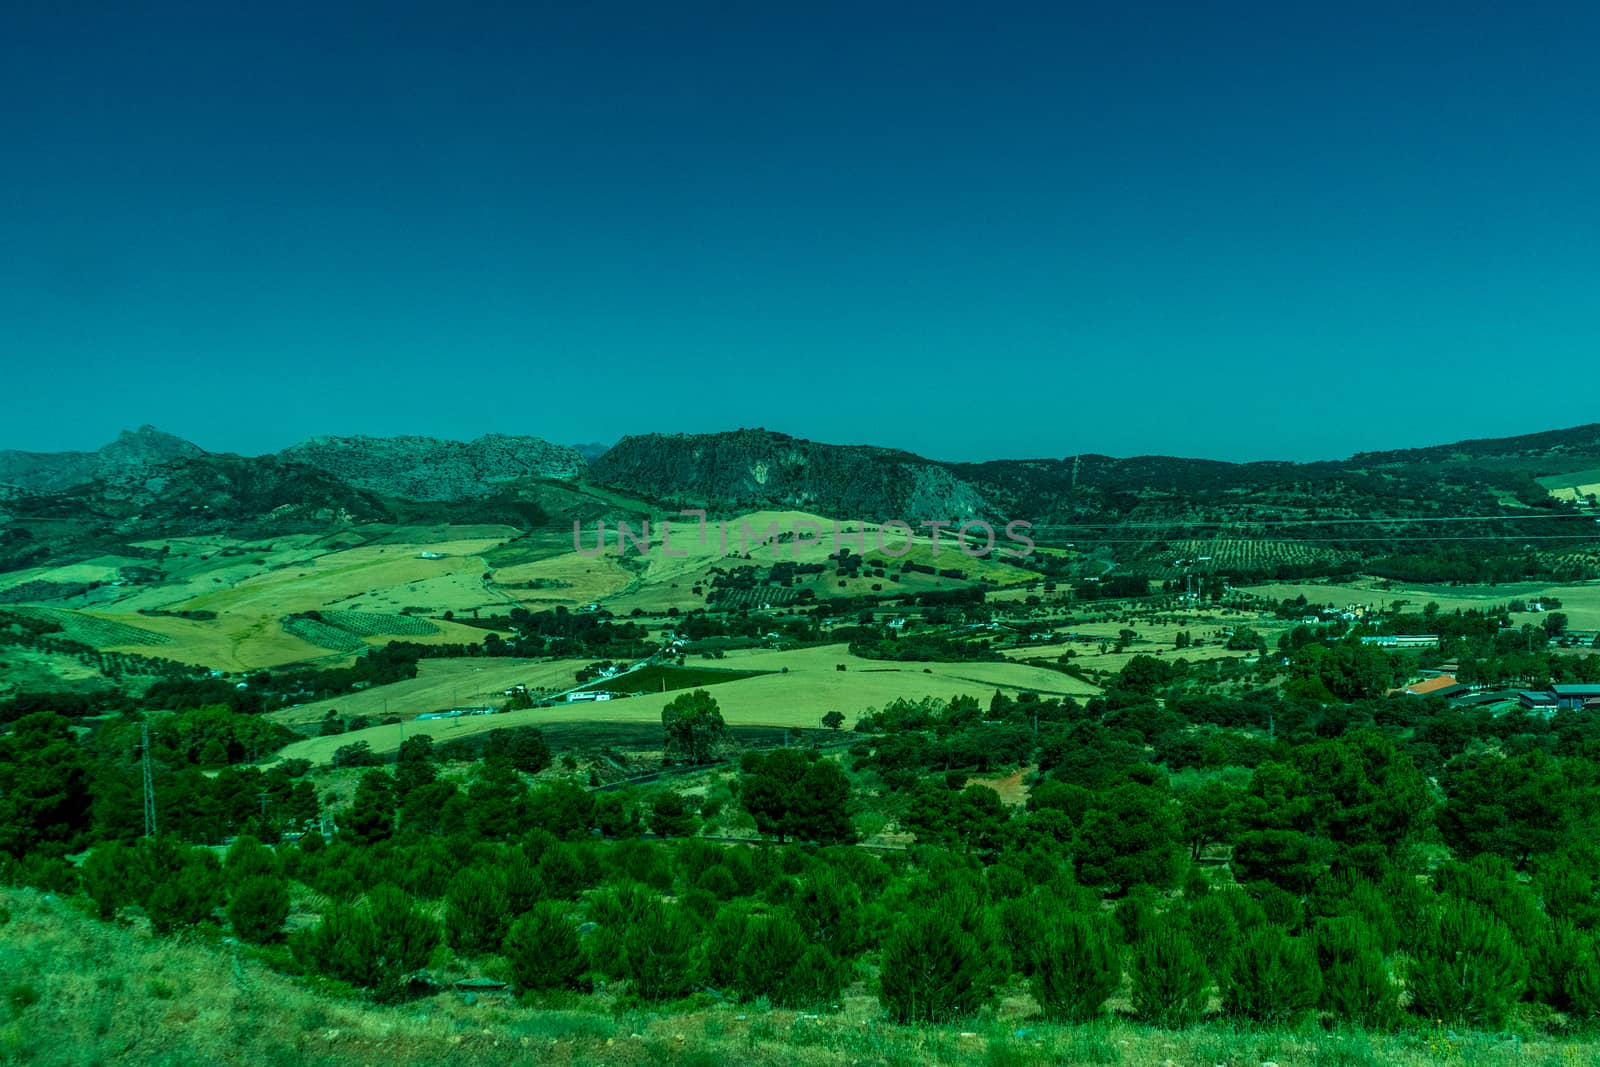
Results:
[1170, 982]
[776, 961]
[258, 909]
[187, 896]
[1271, 978]
[543, 950]
[1582, 984]
[660, 952]
[1076, 967]
[378, 946]
[932, 970]
[248, 858]
[477, 910]
[1356, 985]
[1467, 969]
[1214, 929]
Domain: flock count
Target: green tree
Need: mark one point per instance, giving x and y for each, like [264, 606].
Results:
[1271, 978]
[794, 794]
[248, 858]
[774, 960]
[1516, 807]
[661, 952]
[45, 787]
[933, 971]
[477, 910]
[671, 815]
[1356, 985]
[1467, 968]
[693, 726]
[1130, 837]
[378, 946]
[372, 812]
[1169, 979]
[1076, 967]
[188, 895]
[543, 949]
[259, 908]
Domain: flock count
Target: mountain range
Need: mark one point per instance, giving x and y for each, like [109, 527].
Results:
[64, 504]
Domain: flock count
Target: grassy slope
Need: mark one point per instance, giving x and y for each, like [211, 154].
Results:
[104, 993]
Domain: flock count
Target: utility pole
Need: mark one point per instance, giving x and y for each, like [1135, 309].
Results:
[149, 781]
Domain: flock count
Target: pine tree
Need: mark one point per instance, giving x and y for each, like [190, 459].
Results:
[933, 970]
[372, 812]
[1356, 985]
[1170, 982]
[477, 910]
[543, 950]
[377, 946]
[660, 950]
[1077, 967]
[1468, 969]
[259, 907]
[1271, 978]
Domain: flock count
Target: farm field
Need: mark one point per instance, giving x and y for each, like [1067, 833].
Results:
[811, 688]
[1581, 603]
[439, 684]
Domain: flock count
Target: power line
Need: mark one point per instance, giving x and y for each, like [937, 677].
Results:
[1384, 521]
[149, 781]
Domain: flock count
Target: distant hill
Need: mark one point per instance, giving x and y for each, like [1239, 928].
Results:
[133, 455]
[756, 468]
[1148, 514]
[427, 468]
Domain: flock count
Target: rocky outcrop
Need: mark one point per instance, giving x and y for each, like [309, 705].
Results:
[427, 468]
[758, 468]
[134, 456]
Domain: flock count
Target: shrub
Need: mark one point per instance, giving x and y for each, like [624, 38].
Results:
[477, 910]
[249, 858]
[377, 946]
[1271, 978]
[258, 909]
[1582, 985]
[660, 952]
[1356, 985]
[1076, 967]
[932, 970]
[1214, 929]
[188, 895]
[543, 949]
[1467, 969]
[776, 961]
[1170, 982]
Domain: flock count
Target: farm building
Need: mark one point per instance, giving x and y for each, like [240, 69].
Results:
[588, 694]
[1403, 641]
[1442, 685]
[1537, 701]
[1478, 700]
[1574, 696]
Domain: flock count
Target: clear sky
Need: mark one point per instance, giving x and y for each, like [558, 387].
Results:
[1280, 230]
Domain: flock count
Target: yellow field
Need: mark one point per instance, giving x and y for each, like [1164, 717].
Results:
[570, 579]
[811, 688]
[251, 586]
[440, 684]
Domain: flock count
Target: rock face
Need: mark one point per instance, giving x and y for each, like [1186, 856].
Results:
[133, 457]
[758, 468]
[427, 468]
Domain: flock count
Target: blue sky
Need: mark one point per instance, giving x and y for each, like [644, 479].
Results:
[1239, 231]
